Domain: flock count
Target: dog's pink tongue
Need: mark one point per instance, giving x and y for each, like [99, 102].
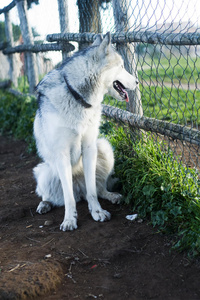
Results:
[127, 98]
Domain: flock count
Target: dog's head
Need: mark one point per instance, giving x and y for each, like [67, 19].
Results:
[115, 78]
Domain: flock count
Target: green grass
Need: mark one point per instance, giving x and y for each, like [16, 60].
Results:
[23, 85]
[170, 69]
[159, 187]
[175, 105]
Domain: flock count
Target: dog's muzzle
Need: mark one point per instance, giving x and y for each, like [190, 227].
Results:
[120, 88]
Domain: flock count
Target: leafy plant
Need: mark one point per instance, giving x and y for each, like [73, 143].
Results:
[15, 28]
[16, 117]
[159, 187]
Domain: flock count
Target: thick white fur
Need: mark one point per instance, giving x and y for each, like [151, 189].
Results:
[77, 164]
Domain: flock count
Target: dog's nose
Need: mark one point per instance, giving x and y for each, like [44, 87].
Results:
[137, 82]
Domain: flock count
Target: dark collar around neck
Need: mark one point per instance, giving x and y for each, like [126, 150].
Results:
[76, 95]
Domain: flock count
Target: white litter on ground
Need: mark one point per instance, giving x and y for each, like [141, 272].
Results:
[132, 217]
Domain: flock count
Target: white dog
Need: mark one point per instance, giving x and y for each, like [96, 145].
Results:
[76, 163]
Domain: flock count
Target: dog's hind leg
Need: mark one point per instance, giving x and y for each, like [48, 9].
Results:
[104, 170]
[102, 181]
[44, 207]
[48, 187]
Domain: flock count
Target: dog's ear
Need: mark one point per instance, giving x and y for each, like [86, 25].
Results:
[98, 40]
[105, 44]
[107, 39]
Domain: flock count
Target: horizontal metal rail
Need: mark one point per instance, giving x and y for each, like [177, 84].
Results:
[132, 36]
[175, 131]
[39, 48]
[9, 6]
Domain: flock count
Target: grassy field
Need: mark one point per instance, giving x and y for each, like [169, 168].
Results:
[173, 69]
[175, 105]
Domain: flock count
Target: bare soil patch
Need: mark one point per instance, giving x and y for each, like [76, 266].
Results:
[118, 259]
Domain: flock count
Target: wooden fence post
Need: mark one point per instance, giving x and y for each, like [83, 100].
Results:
[30, 58]
[10, 43]
[64, 21]
[122, 24]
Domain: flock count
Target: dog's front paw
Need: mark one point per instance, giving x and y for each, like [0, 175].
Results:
[101, 215]
[69, 224]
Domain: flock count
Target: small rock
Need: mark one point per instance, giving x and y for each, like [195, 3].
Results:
[48, 223]
[140, 220]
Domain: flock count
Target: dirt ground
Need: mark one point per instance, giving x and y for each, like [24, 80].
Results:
[115, 260]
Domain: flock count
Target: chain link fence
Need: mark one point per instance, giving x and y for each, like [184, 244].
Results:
[159, 41]
[163, 50]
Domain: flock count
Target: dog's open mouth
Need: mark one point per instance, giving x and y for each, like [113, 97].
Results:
[119, 87]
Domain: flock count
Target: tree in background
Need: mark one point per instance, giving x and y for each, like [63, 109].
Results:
[30, 2]
[90, 17]
[16, 32]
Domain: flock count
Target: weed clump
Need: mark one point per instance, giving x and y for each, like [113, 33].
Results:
[158, 186]
[16, 117]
